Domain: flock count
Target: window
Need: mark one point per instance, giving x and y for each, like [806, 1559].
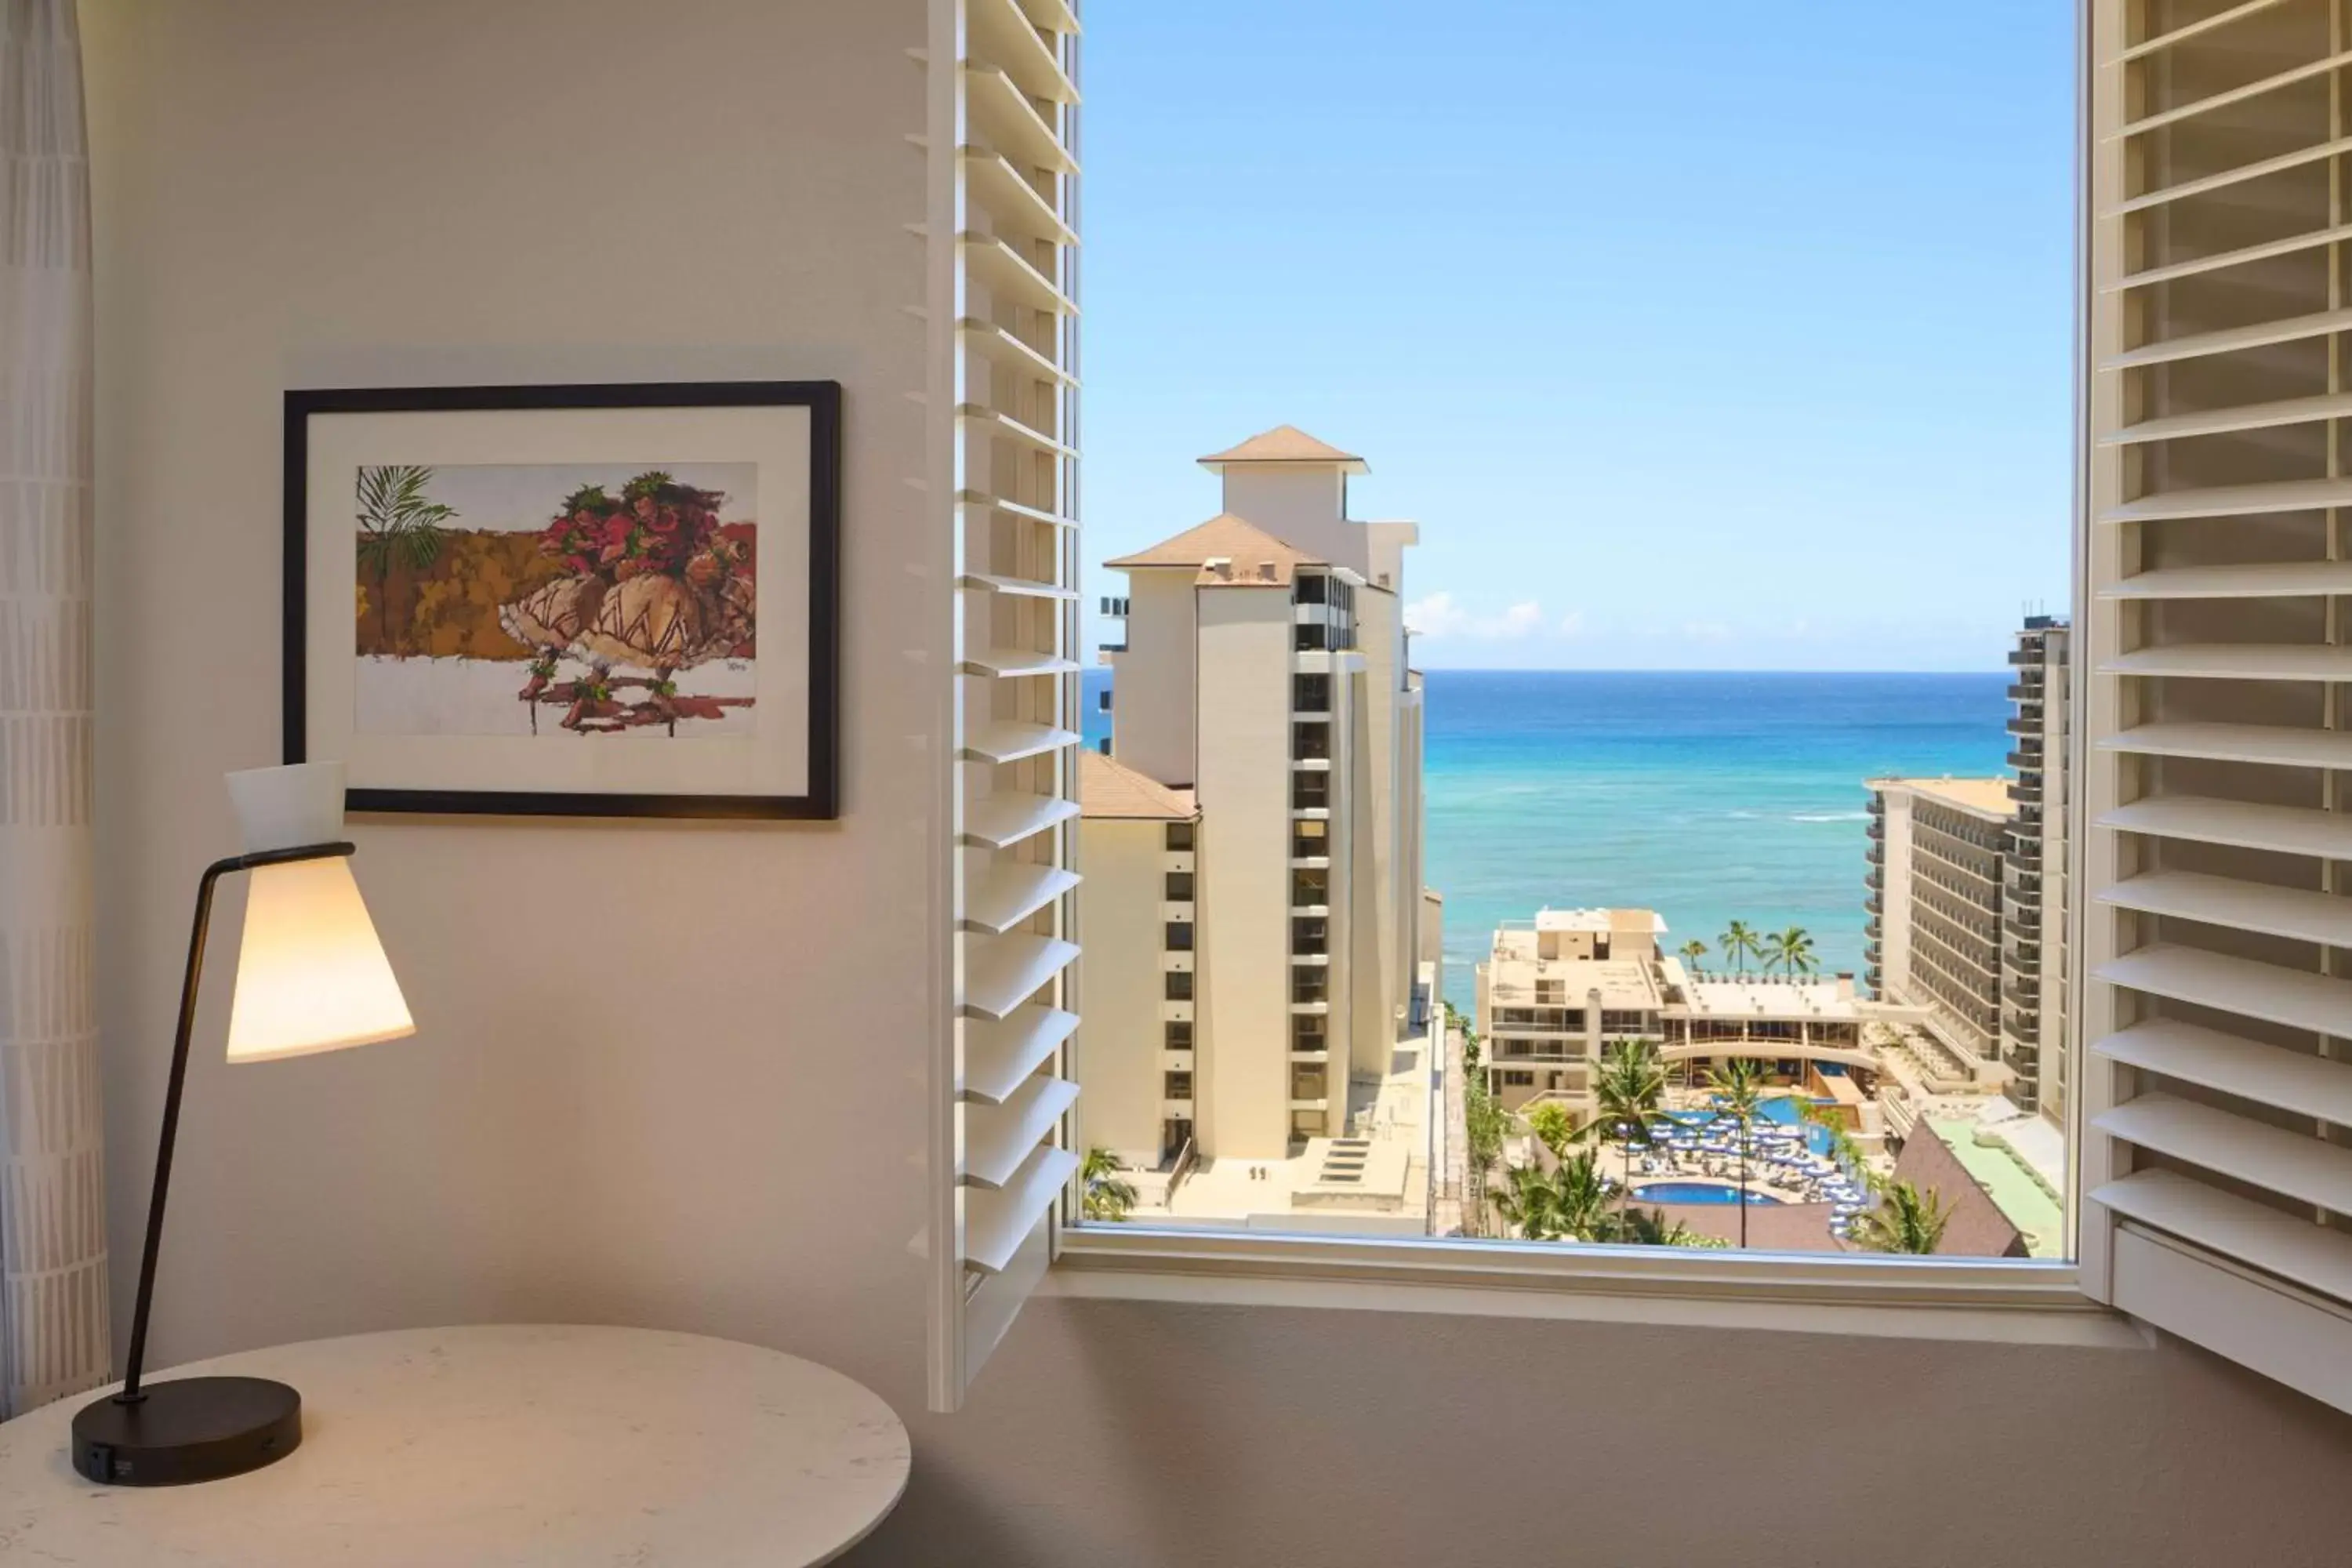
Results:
[1306, 1083]
[1178, 936]
[1177, 986]
[1176, 887]
[1178, 839]
[1177, 1034]
[1951, 899]
[1176, 1086]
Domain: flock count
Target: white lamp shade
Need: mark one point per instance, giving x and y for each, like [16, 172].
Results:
[310, 974]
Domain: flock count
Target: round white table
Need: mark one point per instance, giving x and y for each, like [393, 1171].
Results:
[514, 1446]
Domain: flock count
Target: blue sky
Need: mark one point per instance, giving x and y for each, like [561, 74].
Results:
[1705, 336]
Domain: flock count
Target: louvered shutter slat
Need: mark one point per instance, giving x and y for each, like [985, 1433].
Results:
[1003, 399]
[2283, 1081]
[2216, 915]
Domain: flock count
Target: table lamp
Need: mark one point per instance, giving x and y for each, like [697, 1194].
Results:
[310, 977]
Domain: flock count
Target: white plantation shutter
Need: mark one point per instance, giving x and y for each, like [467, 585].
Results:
[1002, 404]
[2216, 924]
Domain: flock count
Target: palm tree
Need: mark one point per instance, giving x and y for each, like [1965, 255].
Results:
[1626, 1091]
[1531, 1203]
[1842, 1146]
[1554, 1127]
[1107, 1196]
[1649, 1227]
[1569, 1203]
[397, 522]
[1581, 1196]
[1693, 951]
[1738, 944]
[1794, 948]
[1483, 1123]
[1738, 1088]
[1905, 1221]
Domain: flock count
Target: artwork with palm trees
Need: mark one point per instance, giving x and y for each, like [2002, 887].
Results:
[488, 593]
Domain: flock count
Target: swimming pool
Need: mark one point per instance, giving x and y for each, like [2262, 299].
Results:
[1781, 1109]
[1701, 1193]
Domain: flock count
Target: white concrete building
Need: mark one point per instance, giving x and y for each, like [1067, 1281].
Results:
[1139, 841]
[1557, 991]
[1933, 935]
[1263, 676]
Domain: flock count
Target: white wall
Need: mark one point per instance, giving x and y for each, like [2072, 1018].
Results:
[1152, 717]
[1302, 504]
[1120, 988]
[1244, 935]
[300, 191]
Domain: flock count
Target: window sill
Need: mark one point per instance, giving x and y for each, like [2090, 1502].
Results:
[1945, 1299]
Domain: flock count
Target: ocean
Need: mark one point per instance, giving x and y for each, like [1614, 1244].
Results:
[1706, 796]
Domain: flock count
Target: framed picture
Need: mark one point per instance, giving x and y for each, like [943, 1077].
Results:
[576, 601]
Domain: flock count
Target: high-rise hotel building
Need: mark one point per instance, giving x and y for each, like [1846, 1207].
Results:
[1967, 892]
[1933, 906]
[2033, 902]
[1261, 690]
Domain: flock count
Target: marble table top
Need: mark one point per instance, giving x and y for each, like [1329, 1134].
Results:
[515, 1445]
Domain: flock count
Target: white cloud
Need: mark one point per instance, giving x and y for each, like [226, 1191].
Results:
[1439, 616]
[1572, 625]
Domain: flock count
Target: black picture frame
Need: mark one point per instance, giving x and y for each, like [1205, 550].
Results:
[821, 399]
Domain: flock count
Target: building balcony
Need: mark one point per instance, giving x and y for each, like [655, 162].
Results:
[1875, 853]
[1875, 903]
[1875, 828]
[2028, 690]
[1875, 879]
[2020, 725]
[1871, 929]
[2028, 658]
[2026, 760]
[2026, 792]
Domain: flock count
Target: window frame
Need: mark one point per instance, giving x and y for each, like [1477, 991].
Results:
[2014, 1300]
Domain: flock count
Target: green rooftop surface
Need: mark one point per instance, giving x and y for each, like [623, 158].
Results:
[2012, 1187]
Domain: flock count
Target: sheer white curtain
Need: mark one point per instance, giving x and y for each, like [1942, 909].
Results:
[54, 1312]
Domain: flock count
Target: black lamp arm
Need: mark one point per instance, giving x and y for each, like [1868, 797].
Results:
[213, 874]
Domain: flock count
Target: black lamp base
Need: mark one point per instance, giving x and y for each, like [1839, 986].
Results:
[186, 1429]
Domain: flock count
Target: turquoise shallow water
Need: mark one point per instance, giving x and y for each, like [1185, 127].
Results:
[1705, 797]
